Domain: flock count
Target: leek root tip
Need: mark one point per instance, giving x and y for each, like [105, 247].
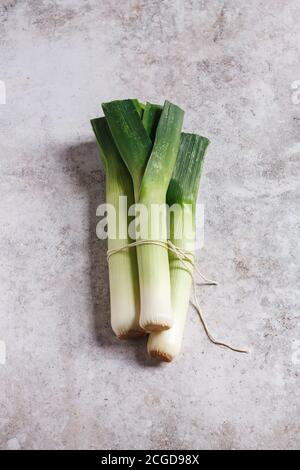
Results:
[151, 327]
[132, 334]
[161, 356]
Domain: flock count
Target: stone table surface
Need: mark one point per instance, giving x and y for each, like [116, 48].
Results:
[65, 381]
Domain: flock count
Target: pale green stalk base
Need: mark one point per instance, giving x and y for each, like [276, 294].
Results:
[154, 274]
[123, 273]
[166, 345]
[156, 310]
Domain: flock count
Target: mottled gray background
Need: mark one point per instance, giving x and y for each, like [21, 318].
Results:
[67, 382]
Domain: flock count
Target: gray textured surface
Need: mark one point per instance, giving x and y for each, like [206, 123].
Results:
[67, 382]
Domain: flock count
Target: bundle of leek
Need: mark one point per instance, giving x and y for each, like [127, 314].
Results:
[149, 161]
[151, 167]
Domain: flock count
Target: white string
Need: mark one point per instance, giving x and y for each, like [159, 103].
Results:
[187, 259]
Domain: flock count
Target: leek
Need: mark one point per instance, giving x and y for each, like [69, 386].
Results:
[182, 191]
[123, 271]
[151, 166]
